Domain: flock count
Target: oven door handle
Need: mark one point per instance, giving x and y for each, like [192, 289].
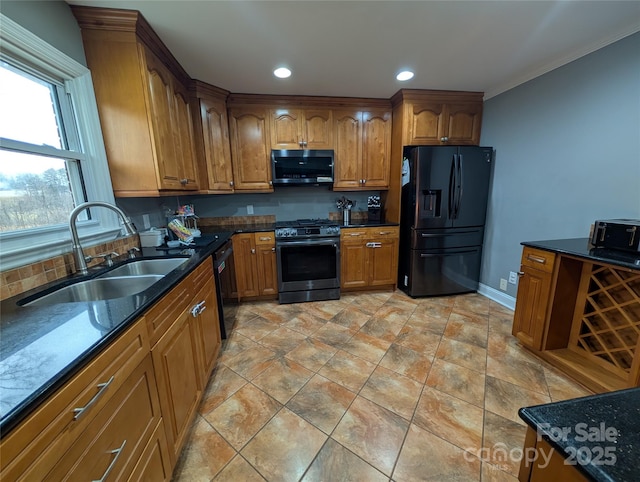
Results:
[308, 242]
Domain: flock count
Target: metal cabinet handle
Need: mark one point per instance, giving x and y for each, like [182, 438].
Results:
[184, 182]
[273, 250]
[253, 251]
[521, 273]
[354, 234]
[536, 259]
[198, 308]
[374, 245]
[270, 183]
[117, 453]
[231, 183]
[444, 139]
[265, 238]
[102, 387]
[384, 233]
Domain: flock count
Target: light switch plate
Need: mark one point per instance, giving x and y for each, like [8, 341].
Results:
[249, 208]
[513, 277]
[145, 221]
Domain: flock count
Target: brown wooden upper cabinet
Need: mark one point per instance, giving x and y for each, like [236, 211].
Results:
[301, 128]
[249, 132]
[362, 145]
[143, 101]
[439, 117]
[212, 139]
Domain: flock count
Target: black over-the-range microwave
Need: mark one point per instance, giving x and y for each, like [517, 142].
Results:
[300, 167]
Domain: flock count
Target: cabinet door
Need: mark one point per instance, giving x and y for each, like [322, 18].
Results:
[154, 464]
[463, 123]
[531, 306]
[244, 253]
[376, 149]
[383, 262]
[184, 142]
[347, 149]
[317, 129]
[267, 263]
[161, 111]
[286, 126]
[249, 130]
[353, 264]
[205, 312]
[115, 440]
[425, 123]
[177, 365]
[215, 132]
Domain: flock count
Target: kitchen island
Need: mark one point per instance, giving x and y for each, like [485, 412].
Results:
[590, 438]
[578, 307]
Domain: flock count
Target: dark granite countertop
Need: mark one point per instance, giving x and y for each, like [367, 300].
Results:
[580, 248]
[42, 347]
[599, 433]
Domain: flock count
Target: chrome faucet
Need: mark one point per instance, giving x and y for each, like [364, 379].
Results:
[78, 253]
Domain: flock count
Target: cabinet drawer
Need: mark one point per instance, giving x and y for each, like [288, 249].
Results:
[384, 232]
[112, 444]
[267, 238]
[168, 309]
[37, 444]
[538, 259]
[353, 234]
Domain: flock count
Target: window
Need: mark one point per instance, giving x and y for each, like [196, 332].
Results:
[52, 155]
[40, 176]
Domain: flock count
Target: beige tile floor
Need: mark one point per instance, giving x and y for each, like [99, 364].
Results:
[374, 386]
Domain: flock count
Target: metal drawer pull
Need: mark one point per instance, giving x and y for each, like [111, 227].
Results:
[199, 308]
[383, 233]
[263, 238]
[374, 245]
[536, 259]
[117, 453]
[102, 387]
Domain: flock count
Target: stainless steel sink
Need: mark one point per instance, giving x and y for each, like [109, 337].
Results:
[98, 289]
[146, 267]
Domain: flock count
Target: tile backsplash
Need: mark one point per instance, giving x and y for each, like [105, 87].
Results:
[18, 280]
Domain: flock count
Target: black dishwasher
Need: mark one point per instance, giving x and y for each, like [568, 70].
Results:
[226, 289]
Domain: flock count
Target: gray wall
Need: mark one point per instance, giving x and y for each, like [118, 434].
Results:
[52, 21]
[568, 153]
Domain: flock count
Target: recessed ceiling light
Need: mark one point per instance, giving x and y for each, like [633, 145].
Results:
[282, 73]
[405, 75]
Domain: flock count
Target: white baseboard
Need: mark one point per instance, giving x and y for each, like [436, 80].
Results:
[497, 296]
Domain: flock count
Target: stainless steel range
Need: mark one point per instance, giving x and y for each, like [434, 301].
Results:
[308, 257]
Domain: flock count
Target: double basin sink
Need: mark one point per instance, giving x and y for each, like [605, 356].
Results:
[124, 280]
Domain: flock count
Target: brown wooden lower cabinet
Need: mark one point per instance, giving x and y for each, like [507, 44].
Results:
[126, 415]
[255, 262]
[581, 315]
[549, 464]
[368, 257]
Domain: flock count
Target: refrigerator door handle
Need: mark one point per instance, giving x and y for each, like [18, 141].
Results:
[440, 235]
[452, 186]
[448, 253]
[459, 186]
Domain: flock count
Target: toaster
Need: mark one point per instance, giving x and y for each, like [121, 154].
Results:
[620, 234]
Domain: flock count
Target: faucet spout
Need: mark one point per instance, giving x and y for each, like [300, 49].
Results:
[78, 253]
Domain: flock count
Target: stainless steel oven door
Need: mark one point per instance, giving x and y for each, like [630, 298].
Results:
[308, 264]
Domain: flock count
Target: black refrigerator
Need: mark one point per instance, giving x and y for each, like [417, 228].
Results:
[444, 206]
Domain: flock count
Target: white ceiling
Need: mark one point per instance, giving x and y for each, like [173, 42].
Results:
[355, 48]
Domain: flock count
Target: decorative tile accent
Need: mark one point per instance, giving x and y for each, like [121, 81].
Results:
[19, 280]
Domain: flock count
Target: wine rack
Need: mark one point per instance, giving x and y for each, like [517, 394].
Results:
[607, 331]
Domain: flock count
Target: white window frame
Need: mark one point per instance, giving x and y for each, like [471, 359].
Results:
[22, 47]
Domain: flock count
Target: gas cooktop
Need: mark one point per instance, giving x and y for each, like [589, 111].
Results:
[307, 228]
[303, 223]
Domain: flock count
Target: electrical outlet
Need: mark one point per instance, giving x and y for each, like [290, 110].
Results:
[249, 208]
[513, 277]
[145, 221]
[503, 284]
